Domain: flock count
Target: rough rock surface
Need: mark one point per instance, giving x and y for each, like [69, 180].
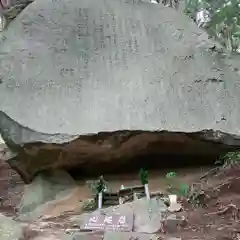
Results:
[108, 152]
[87, 67]
[47, 190]
[9, 229]
[148, 215]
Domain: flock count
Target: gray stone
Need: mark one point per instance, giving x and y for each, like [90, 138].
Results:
[172, 222]
[148, 215]
[128, 70]
[45, 188]
[9, 229]
[85, 67]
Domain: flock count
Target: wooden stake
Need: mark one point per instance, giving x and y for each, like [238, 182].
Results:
[147, 191]
[100, 198]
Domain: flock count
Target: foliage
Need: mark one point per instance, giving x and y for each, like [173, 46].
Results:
[197, 196]
[170, 3]
[220, 18]
[100, 187]
[182, 190]
[97, 186]
[171, 175]
[143, 176]
[229, 159]
[89, 205]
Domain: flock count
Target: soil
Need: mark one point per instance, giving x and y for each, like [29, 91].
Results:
[215, 217]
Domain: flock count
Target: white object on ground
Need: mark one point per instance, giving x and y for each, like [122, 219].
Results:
[100, 196]
[174, 205]
[122, 187]
[121, 200]
[1, 140]
[147, 191]
[135, 197]
[154, 1]
[3, 22]
[202, 17]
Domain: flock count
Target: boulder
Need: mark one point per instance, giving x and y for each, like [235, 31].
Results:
[125, 80]
[148, 216]
[173, 222]
[49, 195]
[85, 156]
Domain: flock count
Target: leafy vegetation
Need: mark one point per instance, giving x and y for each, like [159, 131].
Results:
[143, 176]
[182, 190]
[230, 159]
[197, 196]
[89, 205]
[170, 3]
[97, 186]
[171, 175]
[220, 18]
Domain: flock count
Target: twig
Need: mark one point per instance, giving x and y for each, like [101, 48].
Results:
[223, 211]
[210, 173]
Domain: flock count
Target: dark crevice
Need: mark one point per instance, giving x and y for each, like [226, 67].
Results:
[150, 162]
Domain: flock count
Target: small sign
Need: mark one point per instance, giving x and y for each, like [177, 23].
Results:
[113, 222]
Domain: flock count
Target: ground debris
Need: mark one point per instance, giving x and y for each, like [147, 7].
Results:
[231, 208]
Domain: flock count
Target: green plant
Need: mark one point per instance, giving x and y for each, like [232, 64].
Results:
[229, 159]
[97, 186]
[101, 185]
[171, 175]
[170, 3]
[197, 196]
[183, 190]
[220, 19]
[89, 205]
[143, 176]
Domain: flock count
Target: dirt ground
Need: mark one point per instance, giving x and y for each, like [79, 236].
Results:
[213, 215]
[218, 217]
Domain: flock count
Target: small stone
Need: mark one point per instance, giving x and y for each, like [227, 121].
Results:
[172, 222]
